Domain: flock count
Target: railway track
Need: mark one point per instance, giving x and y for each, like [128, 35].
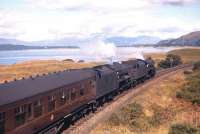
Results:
[87, 123]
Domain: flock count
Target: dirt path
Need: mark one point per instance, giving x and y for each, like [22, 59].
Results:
[84, 126]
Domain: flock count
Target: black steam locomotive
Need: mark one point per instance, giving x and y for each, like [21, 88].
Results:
[49, 103]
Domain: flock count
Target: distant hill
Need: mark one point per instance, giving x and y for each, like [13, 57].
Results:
[58, 42]
[6, 47]
[76, 41]
[128, 41]
[4, 41]
[191, 39]
[12, 47]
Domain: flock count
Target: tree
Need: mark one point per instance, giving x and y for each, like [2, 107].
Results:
[171, 60]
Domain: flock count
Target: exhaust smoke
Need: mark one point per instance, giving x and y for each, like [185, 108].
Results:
[99, 50]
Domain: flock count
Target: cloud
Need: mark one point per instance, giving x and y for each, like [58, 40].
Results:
[89, 4]
[173, 2]
[171, 30]
[50, 19]
[96, 5]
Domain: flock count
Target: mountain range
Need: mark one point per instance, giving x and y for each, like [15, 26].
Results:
[74, 41]
[129, 41]
[191, 39]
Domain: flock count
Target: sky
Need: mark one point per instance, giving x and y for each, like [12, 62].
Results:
[35, 20]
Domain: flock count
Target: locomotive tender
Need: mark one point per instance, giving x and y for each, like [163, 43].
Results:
[49, 103]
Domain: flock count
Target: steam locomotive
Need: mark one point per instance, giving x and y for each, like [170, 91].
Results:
[49, 103]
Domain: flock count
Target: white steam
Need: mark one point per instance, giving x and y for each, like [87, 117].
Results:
[98, 50]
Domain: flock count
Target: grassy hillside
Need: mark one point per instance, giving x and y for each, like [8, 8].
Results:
[157, 57]
[188, 55]
[25, 69]
[154, 111]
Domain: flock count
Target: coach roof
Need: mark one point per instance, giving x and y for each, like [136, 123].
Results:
[21, 89]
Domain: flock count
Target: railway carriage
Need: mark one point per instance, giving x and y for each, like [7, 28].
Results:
[49, 103]
[28, 105]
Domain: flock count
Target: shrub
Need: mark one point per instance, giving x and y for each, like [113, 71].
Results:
[187, 71]
[182, 129]
[133, 116]
[114, 120]
[171, 60]
[134, 113]
[129, 115]
[196, 66]
[157, 117]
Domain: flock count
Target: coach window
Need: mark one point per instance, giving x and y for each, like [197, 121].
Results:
[82, 90]
[93, 84]
[29, 110]
[51, 103]
[62, 97]
[90, 82]
[38, 108]
[67, 95]
[20, 115]
[73, 94]
[2, 123]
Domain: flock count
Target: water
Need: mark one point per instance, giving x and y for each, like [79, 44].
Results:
[120, 53]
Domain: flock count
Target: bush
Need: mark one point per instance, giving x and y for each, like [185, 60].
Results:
[182, 129]
[114, 120]
[160, 115]
[187, 71]
[196, 66]
[157, 117]
[132, 112]
[171, 60]
[129, 115]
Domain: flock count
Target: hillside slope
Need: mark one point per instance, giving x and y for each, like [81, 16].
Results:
[153, 111]
[191, 39]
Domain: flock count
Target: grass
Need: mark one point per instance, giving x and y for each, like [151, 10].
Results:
[188, 55]
[159, 108]
[26, 69]
[157, 57]
[191, 90]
